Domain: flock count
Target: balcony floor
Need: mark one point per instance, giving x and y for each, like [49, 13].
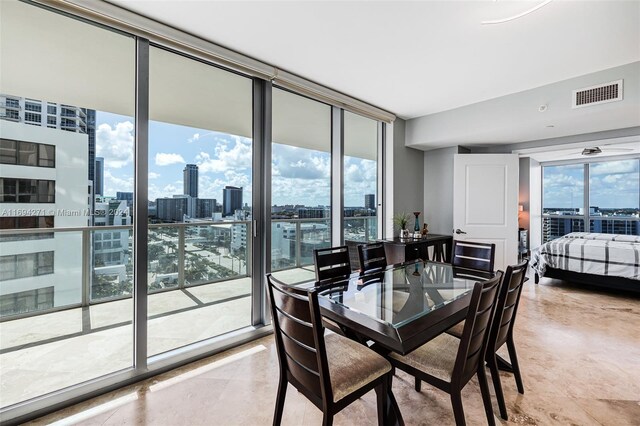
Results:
[578, 350]
[47, 352]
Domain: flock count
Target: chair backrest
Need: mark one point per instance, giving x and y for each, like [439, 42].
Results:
[474, 340]
[507, 305]
[372, 256]
[472, 255]
[299, 337]
[332, 262]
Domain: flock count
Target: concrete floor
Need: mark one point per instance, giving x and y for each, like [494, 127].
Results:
[579, 350]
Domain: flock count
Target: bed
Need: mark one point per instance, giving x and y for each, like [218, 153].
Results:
[604, 260]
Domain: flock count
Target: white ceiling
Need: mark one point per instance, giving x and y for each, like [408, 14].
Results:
[416, 58]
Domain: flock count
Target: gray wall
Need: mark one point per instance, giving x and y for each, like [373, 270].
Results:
[408, 173]
[438, 189]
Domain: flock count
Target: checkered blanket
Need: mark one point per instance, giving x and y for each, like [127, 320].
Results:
[598, 256]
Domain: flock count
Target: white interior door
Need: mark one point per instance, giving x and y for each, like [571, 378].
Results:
[485, 202]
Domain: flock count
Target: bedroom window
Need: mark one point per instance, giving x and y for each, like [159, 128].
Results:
[601, 196]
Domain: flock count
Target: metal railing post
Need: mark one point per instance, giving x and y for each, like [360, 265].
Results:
[366, 229]
[298, 239]
[181, 256]
[87, 251]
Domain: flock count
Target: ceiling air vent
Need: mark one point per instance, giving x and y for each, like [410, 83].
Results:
[600, 94]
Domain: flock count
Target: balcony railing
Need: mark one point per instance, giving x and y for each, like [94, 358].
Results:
[556, 226]
[294, 240]
[95, 264]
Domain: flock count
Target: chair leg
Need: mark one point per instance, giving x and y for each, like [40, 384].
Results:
[282, 393]
[495, 377]
[486, 396]
[514, 362]
[327, 419]
[458, 411]
[418, 385]
[381, 394]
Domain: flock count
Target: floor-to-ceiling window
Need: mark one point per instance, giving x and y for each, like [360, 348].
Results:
[300, 183]
[77, 127]
[66, 181]
[360, 180]
[610, 205]
[200, 185]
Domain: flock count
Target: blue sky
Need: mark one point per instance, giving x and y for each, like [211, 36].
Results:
[299, 176]
[613, 184]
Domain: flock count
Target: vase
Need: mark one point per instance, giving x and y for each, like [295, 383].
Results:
[416, 227]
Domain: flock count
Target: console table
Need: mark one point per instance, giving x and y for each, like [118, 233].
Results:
[401, 250]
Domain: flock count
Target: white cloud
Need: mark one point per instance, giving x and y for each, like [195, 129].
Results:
[166, 159]
[113, 184]
[153, 175]
[194, 138]
[224, 158]
[115, 144]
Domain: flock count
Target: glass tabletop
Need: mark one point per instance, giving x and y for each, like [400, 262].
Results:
[402, 293]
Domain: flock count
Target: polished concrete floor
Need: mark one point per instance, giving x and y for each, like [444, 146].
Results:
[579, 351]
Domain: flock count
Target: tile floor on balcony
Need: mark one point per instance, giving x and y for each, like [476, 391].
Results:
[578, 348]
[43, 353]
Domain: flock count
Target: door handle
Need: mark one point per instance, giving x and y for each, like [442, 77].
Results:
[458, 231]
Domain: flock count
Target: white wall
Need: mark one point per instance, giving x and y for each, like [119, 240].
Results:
[515, 118]
[438, 190]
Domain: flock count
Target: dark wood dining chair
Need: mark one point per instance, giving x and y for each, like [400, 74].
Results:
[449, 363]
[472, 255]
[372, 257]
[332, 371]
[332, 262]
[502, 331]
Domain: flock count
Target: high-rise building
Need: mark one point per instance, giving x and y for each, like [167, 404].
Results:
[45, 189]
[370, 201]
[171, 209]
[313, 212]
[98, 181]
[205, 207]
[190, 180]
[125, 196]
[231, 200]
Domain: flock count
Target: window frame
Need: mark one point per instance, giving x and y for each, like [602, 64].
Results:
[586, 217]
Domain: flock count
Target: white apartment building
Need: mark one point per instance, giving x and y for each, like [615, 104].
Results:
[44, 185]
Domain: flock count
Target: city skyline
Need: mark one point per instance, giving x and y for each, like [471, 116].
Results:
[299, 176]
[612, 185]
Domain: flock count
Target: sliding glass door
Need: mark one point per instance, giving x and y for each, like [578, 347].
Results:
[300, 184]
[360, 187]
[200, 187]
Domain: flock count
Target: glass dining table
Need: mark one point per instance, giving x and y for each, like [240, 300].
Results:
[401, 307]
